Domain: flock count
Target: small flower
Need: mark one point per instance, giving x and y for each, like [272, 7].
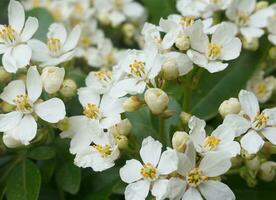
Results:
[20, 123]
[209, 54]
[59, 47]
[253, 123]
[52, 79]
[194, 8]
[14, 38]
[141, 177]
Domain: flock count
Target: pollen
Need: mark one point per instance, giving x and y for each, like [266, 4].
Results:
[91, 111]
[137, 68]
[103, 74]
[261, 89]
[104, 150]
[54, 46]
[195, 177]
[211, 142]
[186, 21]
[260, 121]
[8, 35]
[148, 171]
[22, 103]
[214, 51]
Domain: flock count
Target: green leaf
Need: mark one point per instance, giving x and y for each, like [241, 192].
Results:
[47, 169]
[159, 8]
[45, 19]
[24, 182]
[42, 153]
[215, 88]
[68, 177]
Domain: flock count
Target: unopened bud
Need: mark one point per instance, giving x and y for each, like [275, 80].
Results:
[68, 88]
[236, 161]
[157, 100]
[121, 141]
[185, 117]
[261, 5]
[251, 44]
[124, 127]
[267, 171]
[4, 75]
[170, 70]
[64, 124]
[128, 30]
[180, 140]
[182, 42]
[52, 78]
[247, 155]
[253, 164]
[230, 106]
[272, 53]
[103, 18]
[132, 104]
[11, 142]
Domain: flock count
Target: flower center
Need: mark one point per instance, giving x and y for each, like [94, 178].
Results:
[261, 89]
[78, 8]
[85, 41]
[118, 3]
[54, 45]
[8, 35]
[260, 121]
[214, 51]
[242, 18]
[92, 111]
[148, 171]
[104, 76]
[186, 21]
[104, 150]
[22, 104]
[195, 177]
[137, 68]
[211, 142]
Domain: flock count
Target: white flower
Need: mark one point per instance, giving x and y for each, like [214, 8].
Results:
[249, 21]
[105, 110]
[261, 87]
[216, 5]
[152, 36]
[253, 123]
[14, 38]
[52, 79]
[221, 139]
[100, 155]
[59, 48]
[211, 54]
[271, 26]
[140, 68]
[141, 177]
[194, 8]
[21, 124]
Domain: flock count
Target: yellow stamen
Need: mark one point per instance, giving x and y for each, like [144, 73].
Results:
[196, 177]
[186, 21]
[104, 150]
[148, 171]
[214, 51]
[91, 111]
[260, 121]
[103, 74]
[54, 45]
[22, 103]
[137, 68]
[261, 89]
[8, 35]
[211, 142]
[85, 41]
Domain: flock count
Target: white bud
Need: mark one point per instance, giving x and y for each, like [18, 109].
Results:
[121, 141]
[69, 88]
[124, 127]
[52, 78]
[4, 75]
[253, 164]
[251, 44]
[170, 70]
[230, 106]
[103, 18]
[11, 142]
[267, 171]
[132, 104]
[180, 140]
[261, 5]
[182, 42]
[157, 100]
[128, 30]
[185, 117]
[64, 124]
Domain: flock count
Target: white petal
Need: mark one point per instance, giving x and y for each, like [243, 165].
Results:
[259, 18]
[73, 39]
[192, 194]
[215, 163]
[13, 89]
[272, 116]
[213, 67]
[34, 84]
[272, 39]
[199, 40]
[137, 191]
[224, 34]
[128, 86]
[16, 15]
[3, 48]
[237, 123]
[176, 188]
[252, 142]
[22, 54]
[39, 50]
[131, 171]
[76, 123]
[231, 50]
[52, 110]
[249, 103]
[63, 58]
[10, 120]
[30, 28]
[213, 190]
[8, 62]
[87, 95]
[169, 39]
[109, 121]
[168, 162]
[150, 151]
[133, 10]
[197, 131]
[270, 134]
[234, 148]
[58, 31]
[247, 5]
[160, 189]
[111, 105]
[197, 58]
[250, 32]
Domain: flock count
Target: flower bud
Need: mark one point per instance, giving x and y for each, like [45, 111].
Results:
[261, 5]
[4, 75]
[103, 18]
[11, 142]
[246, 155]
[251, 44]
[128, 30]
[68, 88]
[267, 171]
[236, 161]
[121, 141]
[124, 127]
[132, 104]
[253, 164]
[64, 124]
[182, 42]
[170, 70]
[230, 106]
[157, 100]
[179, 141]
[185, 117]
[52, 78]
[272, 53]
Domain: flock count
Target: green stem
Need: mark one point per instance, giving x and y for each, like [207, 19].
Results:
[162, 135]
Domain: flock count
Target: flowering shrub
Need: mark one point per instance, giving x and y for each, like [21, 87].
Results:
[135, 100]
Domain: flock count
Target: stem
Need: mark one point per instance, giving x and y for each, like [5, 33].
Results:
[162, 131]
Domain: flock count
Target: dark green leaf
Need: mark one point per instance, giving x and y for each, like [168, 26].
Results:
[24, 182]
[42, 153]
